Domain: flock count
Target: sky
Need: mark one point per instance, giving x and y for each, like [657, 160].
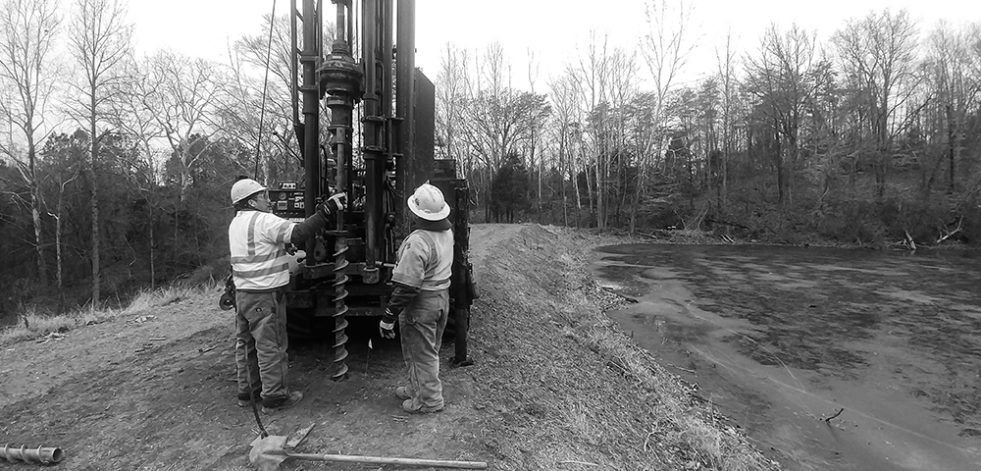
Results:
[553, 29]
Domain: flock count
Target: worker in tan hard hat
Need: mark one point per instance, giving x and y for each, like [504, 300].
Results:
[257, 241]
[420, 299]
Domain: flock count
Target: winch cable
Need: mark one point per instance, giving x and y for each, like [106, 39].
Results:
[265, 83]
[262, 113]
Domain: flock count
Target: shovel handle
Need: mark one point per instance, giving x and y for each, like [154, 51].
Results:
[386, 460]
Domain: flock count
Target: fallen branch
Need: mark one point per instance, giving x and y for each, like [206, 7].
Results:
[828, 419]
[948, 234]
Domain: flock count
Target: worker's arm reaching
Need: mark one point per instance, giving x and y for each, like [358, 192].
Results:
[307, 229]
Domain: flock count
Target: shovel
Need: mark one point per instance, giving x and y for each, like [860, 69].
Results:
[269, 452]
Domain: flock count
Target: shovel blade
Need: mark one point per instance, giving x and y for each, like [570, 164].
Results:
[268, 453]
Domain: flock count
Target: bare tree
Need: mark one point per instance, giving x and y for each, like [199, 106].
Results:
[240, 104]
[878, 53]
[591, 80]
[496, 119]
[257, 114]
[533, 70]
[564, 103]
[27, 32]
[621, 91]
[450, 95]
[253, 49]
[666, 48]
[957, 89]
[100, 40]
[487, 127]
[727, 84]
[132, 114]
[782, 78]
[182, 100]
[63, 180]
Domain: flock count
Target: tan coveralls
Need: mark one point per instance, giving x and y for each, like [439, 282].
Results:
[425, 262]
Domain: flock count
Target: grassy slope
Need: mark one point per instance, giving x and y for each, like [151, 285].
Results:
[578, 389]
[32, 324]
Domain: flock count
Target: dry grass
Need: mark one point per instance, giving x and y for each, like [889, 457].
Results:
[612, 402]
[696, 427]
[33, 324]
[164, 296]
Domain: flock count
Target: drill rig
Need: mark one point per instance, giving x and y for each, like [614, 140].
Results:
[346, 271]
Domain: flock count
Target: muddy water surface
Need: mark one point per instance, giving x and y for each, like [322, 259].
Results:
[780, 339]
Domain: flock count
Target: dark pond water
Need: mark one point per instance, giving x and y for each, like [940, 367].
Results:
[781, 338]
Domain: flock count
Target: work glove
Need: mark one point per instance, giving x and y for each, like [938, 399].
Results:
[336, 202]
[386, 329]
[227, 299]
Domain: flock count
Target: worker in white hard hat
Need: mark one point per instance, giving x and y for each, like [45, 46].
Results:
[420, 299]
[257, 241]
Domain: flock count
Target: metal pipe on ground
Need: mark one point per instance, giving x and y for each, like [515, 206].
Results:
[389, 460]
[39, 455]
[269, 452]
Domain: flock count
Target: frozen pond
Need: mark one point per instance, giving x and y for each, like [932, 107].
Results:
[781, 338]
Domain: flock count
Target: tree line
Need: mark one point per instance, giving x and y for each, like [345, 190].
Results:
[869, 137]
[114, 167]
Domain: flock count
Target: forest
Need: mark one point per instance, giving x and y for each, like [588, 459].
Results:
[115, 167]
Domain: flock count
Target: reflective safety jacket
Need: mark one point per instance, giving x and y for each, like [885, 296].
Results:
[425, 260]
[257, 242]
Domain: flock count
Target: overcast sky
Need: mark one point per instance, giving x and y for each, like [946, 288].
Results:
[553, 29]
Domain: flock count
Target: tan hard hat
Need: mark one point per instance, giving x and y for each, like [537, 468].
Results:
[427, 202]
[245, 188]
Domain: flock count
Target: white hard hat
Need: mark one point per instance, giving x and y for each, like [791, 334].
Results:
[245, 188]
[427, 202]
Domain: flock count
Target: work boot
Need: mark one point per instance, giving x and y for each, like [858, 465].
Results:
[419, 409]
[402, 392]
[290, 400]
[244, 399]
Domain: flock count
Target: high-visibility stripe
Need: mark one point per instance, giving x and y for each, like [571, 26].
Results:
[262, 272]
[259, 258]
[251, 243]
[281, 237]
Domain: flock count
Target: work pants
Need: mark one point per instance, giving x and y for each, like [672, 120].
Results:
[260, 344]
[421, 326]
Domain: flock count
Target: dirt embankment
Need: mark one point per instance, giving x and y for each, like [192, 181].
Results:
[555, 386]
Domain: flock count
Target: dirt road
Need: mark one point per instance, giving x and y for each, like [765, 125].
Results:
[155, 390]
